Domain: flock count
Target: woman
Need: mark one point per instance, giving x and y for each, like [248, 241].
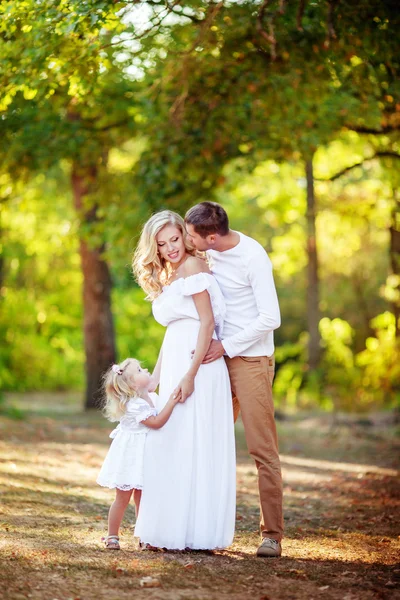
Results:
[188, 498]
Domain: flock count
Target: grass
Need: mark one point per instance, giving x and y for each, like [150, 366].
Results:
[341, 491]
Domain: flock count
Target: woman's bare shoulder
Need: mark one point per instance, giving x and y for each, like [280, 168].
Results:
[194, 265]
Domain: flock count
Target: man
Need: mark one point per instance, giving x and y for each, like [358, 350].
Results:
[244, 273]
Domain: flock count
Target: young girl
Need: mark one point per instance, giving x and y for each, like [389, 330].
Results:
[128, 401]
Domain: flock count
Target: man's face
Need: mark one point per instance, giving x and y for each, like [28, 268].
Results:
[199, 242]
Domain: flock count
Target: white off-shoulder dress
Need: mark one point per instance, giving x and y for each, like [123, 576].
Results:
[189, 491]
[123, 466]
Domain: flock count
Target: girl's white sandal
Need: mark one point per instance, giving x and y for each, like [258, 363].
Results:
[111, 542]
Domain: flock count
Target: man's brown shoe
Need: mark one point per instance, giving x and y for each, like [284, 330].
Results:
[269, 548]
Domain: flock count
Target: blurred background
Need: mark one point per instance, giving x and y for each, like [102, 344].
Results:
[286, 113]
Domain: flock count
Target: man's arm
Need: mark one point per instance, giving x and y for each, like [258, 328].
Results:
[260, 276]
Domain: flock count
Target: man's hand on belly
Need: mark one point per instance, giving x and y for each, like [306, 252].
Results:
[215, 351]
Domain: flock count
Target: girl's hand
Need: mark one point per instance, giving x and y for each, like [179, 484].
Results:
[176, 395]
[186, 387]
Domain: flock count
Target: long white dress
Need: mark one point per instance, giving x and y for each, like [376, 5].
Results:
[189, 485]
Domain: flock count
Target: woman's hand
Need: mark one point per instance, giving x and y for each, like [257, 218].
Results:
[186, 386]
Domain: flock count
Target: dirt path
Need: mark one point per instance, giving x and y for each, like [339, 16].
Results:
[341, 510]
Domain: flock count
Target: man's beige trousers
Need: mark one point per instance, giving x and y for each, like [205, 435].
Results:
[251, 380]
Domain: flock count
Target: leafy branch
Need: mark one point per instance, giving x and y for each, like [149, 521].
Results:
[379, 154]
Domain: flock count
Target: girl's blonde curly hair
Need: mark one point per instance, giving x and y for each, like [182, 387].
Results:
[149, 268]
[118, 390]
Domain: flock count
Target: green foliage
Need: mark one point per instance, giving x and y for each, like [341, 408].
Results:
[45, 46]
[65, 94]
[346, 380]
[368, 379]
[41, 293]
[255, 84]
[290, 371]
[380, 364]
[9, 410]
[41, 314]
[138, 334]
[340, 377]
[223, 103]
[41, 310]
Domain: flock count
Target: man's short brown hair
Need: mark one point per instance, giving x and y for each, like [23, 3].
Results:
[208, 218]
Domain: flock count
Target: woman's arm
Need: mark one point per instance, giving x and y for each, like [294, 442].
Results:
[159, 420]
[207, 326]
[193, 266]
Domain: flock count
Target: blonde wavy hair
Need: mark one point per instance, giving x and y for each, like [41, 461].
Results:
[150, 269]
[118, 390]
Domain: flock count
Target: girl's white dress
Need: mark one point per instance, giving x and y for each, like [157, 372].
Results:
[189, 491]
[123, 465]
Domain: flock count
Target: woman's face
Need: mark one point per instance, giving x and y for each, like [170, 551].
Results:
[170, 244]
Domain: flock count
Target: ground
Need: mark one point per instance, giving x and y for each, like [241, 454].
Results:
[341, 502]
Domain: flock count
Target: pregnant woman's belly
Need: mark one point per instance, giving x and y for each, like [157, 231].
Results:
[179, 342]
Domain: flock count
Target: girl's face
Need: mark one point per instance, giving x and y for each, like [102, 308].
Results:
[138, 377]
[170, 244]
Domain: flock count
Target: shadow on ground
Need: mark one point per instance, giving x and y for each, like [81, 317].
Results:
[341, 491]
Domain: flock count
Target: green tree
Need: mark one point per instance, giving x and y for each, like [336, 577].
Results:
[66, 97]
[269, 79]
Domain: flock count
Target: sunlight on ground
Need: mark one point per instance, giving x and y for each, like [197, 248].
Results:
[336, 466]
[340, 526]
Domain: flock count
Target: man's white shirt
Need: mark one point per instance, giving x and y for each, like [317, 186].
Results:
[244, 274]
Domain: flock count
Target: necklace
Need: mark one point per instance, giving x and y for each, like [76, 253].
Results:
[173, 275]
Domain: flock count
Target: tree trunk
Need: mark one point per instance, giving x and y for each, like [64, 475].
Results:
[395, 257]
[98, 321]
[359, 292]
[313, 314]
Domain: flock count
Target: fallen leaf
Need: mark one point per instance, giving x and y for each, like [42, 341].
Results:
[299, 573]
[149, 582]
